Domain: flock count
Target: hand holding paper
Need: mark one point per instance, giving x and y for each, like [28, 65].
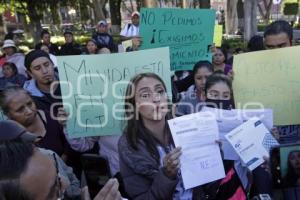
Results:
[230, 119]
[251, 141]
[201, 160]
[172, 162]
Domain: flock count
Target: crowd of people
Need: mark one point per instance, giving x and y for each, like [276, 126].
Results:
[101, 42]
[38, 159]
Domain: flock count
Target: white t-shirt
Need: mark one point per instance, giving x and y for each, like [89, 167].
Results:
[132, 31]
[53, 59]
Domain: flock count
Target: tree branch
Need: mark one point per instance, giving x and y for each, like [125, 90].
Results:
[261, 10]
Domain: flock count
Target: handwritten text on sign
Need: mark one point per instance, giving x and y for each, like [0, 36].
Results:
[188, 33]
[270, 79]
[93, 87]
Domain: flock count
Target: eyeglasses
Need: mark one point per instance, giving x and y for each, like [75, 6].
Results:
[58, 183]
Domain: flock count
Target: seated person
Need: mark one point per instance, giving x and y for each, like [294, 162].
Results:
[46, 39]
[131, 30]
[11, 76]
[70, 47]
[102, 38]
[91, 47]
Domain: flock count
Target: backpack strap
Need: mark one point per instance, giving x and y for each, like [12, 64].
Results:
[128, 26]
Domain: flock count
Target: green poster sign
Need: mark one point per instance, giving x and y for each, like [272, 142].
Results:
[188, 32]
[93, 87]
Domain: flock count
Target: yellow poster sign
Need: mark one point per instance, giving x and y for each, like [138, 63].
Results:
[218, 34]
[269, 79]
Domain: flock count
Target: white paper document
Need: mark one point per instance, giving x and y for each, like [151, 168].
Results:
[230, 119]
[201, 160]
[251, 141]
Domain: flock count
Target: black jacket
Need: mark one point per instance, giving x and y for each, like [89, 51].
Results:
[70, 49]
[104, 40]
[53, 48]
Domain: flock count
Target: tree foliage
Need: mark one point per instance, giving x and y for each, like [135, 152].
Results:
[290, 8]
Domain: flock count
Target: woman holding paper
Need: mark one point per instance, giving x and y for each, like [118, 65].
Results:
[149, 162]
[218, 94]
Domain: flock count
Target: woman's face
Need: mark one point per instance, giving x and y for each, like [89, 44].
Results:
[21, 108]
[200, 78]
[151, 99]
[294, 160]
[219, 91]
[7, 71]
[218, 57]
[9, 51]
[91, 47]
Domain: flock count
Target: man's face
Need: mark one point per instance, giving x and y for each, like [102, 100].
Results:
[102, 28]
[68, 38]
[42, 70]
[135, 20]
[46, 38]
[277, 41]
[41, 180]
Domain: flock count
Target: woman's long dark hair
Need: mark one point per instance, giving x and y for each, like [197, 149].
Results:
[291, 177]
[134, 127]
[202, 64]
[223, 50]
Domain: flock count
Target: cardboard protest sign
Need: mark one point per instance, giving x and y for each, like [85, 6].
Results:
[269, 79]
[93, 87]
[188, 33]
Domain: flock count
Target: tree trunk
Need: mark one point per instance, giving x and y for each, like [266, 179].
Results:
[138, 4]
[231, 17]
[131, 5]
[250, 9]
[240, 14]
[115, 15]
[204, 3]
[98, 9]
[54, 8]
[265, 10]
[184, 3]
[150, 3]
[84, 12]
[35, 21]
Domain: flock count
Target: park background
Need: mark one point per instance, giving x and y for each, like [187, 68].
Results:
[241, 19]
